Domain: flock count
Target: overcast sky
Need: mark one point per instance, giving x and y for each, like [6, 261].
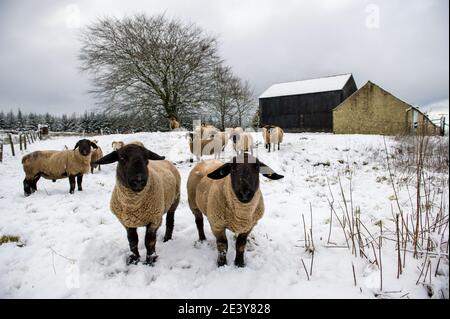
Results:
[403, 45]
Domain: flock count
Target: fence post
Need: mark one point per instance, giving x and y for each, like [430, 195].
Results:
[20, 141]
[1, 151]
[31, 135]
[12, 145]
[24, 141]
[28, 138]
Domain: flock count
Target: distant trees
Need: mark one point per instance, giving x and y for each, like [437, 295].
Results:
[154, 67]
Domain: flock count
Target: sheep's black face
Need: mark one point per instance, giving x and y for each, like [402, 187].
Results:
[132, 170]
[84, 147]
[244, 172]
[244, 178]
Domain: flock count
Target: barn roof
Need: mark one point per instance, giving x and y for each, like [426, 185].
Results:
[325, 84]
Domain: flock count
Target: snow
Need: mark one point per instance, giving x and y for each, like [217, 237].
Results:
[325, 84]
[74, 247]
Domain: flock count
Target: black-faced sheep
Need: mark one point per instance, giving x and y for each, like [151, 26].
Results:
[272, 135]
[96, 155]
[229, 195]
[242, 142]
[214, 145]
[57, 165]
[147, 187]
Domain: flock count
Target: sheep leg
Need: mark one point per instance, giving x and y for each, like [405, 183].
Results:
[150, 243]
[27, 187]
[133, 240]
[222, 247]
[170, 221]
[80, 181]
[92, 169]
[241, 241]
[278, 146]
[199, 222]
[72, 184]
[34, 186]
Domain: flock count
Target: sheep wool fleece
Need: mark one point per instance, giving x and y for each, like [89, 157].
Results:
[161, 193]
[216, 199]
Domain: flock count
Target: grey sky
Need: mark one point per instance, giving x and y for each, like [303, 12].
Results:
[264, 41]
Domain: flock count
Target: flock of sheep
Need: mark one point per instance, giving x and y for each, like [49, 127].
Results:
[148, 186]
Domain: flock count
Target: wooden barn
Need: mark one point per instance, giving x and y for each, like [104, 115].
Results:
[305, 106]
[372, 110]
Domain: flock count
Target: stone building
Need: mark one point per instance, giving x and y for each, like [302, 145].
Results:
[372, 110]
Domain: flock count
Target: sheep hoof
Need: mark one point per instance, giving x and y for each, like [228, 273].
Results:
[133, 260]
[167, 238]
[221, 261]
[239, 263]
[71, 191]
[27, 194]
[150, 260]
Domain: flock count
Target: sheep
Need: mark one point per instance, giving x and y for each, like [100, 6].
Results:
[229, 195]
[173, 123]
[272, 135]
[207, 131]
[57, 165]
[147, 187]
[96, 155]
[213, 145]
[117, 145]
[242, 142]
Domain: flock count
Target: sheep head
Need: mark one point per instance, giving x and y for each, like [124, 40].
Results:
[84, 147]
[244, 172]
[132, 170]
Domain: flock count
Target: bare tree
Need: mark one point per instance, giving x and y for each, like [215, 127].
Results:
[150, 65]
[221, 104]
[243, 98]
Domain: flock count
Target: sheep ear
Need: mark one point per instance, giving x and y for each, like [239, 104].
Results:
[94, 145]
[108, 159]
[76, 145]
[154, 157]
[266, 171]
[221, 172]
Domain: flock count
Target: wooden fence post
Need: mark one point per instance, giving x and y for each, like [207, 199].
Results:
[24, 141]
[12, 145]
[1, 151]
[28, 138]
[31, 135]
[20, 141]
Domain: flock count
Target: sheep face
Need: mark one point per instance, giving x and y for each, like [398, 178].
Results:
[84, 147]
[132, 170]
[244, 172]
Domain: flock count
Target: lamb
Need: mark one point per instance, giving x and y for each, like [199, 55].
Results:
[272, 135]
[213, 145]
[147, 187]
[96, 155]
[242, 142]
[117, 145]
[173, 123]
[57, 165]
[229, 195]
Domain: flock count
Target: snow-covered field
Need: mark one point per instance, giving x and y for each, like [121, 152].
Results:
[72, 246]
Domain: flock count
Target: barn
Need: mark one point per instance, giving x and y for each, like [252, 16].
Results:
[305, 106]
[372, 110]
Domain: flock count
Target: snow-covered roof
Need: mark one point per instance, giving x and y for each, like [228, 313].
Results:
[325, 84]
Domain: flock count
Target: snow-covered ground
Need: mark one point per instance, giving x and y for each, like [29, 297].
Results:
[74, 247]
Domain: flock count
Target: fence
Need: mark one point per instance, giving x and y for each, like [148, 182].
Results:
[22, 138]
